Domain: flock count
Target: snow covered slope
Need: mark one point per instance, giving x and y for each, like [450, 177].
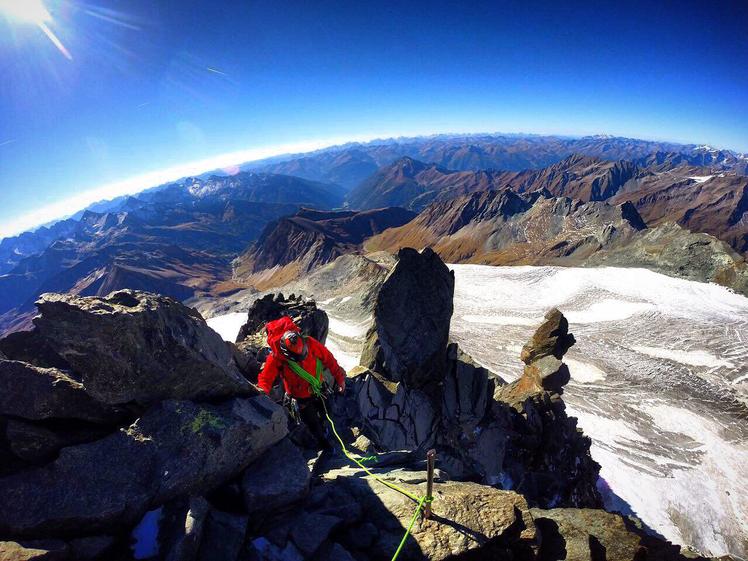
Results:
[659, 382]
[228, 325]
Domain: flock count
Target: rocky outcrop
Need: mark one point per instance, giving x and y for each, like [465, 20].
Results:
[350, 515]
[175, 448]
[408, 341]
[551, 458]
[310, 319]
[420, 392]
[35, 550]
[177, 356]
[589, 535]
[35, 393]
[467, 517]
[544, 370]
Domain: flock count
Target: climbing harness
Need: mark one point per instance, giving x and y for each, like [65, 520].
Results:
[318, 388]
[292, 404]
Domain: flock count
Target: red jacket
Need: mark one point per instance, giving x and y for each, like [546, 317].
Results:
[276, 363]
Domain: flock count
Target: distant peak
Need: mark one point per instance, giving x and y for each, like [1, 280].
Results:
[577, 158]
[408, 166]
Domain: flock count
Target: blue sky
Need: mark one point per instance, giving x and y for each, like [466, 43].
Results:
[156, 84]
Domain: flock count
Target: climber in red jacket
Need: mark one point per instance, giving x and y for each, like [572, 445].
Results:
[288, 346]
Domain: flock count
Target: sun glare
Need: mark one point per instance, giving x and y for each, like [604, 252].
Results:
[25, 11]
[32, 12]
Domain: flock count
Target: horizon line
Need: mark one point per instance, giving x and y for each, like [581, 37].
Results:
[68, 207]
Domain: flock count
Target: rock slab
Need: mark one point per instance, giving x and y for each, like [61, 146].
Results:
[280, 478]
[176, 448]
[133, 346]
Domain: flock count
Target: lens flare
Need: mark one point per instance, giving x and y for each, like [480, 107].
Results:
[25, 11]
[32, 12]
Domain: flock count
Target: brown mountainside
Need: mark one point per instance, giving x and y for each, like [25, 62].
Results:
[501, 227]
[296, 244]
[713, 203]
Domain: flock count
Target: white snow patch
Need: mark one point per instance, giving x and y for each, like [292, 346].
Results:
[692, 358]
[501, 320]
[701, 178]
[533, 290]
[345, 299]
[709, 503]
[602, 429]
[583, 372]
[228, 325]
[347, 329]
[628, 324]
[608, 310]
[346, 358]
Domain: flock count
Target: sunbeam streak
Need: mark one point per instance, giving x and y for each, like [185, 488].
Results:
[55, 41]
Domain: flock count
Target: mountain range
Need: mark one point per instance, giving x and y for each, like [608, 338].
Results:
[715, 203]
[501, 227]
[350, 164]
[589, 201]
[176, 241]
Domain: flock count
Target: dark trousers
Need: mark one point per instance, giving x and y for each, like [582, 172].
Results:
[313, 415]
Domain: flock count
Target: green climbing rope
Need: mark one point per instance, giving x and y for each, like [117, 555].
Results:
[362, 466]
[420, 500]
[423, 500]
[316, 386]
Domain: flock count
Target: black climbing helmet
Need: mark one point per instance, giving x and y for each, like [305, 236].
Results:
[293, 346]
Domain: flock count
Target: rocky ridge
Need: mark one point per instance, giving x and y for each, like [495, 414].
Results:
[661, 189]
[133, 403]
[294, 245]
[208, 470]
[501, 227]
[420, 391]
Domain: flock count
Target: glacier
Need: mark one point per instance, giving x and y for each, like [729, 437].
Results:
[659, 382]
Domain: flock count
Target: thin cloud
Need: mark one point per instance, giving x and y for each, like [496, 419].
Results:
[215, 71]
[9, 141]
